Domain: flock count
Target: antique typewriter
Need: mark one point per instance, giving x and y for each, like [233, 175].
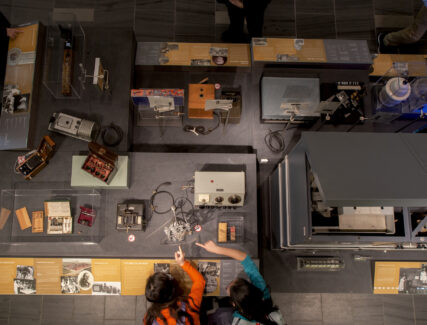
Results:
[130, 216]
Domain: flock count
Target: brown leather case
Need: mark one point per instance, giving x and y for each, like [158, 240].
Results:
[198, 94]
[44, 151]
[108, 158]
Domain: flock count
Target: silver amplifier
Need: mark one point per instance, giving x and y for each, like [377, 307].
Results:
[221, 189]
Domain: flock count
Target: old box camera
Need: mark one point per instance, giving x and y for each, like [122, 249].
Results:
[32, 165]
[130, 216]
[101, 162]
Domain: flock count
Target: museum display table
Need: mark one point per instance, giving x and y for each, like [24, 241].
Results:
[147, 171]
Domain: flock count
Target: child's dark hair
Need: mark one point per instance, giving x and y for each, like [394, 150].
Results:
[162, 290]
[248, 301]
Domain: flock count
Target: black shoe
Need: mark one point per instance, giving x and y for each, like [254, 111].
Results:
[382, 48]
[230, 36]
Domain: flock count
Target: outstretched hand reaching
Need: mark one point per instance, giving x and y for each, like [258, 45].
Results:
[210, 246]
[180, 257]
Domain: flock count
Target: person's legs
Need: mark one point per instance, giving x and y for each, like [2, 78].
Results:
[237, 18]
[410, 34]
[254, 11]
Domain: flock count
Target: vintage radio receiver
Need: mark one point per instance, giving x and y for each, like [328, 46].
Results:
[101, 162]
[73, 126]
[220, 189]
[38, 160]
[130, 216]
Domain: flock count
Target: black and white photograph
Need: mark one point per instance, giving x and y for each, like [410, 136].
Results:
[69, 284]
[24, 272]
[162, 267]
[24, 287]
[106, 288]
[413, 281]
[85, 280]
[211, 272]
[55, 225]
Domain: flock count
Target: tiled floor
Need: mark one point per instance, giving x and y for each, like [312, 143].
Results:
[205, 20]
[299, 309]
[191, 20]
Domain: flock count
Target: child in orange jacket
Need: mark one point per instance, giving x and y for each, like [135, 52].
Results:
[168, 307]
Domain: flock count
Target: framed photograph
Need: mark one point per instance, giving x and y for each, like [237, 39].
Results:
[24, 287]
[69, 284]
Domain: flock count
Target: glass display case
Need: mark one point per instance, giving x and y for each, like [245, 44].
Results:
[400, 93]
[64, 35]
[34, 200]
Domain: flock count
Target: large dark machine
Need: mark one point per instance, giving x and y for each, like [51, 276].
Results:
[351, 190]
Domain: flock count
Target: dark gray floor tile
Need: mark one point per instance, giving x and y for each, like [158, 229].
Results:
[367, 309]
[4, 306]
[24, 11]
[279, 19]
[336, 309]
[88, 322]
[86, 307]
[42, 4]
[6, 10]
[120, 307]
[25, 306]
[194, 38]
[284, 302]
[395, 7]
[398, 309]
[4, 321]
[314, 6]
[420, 306]
[55, 322]
[306, 307]
[141, 308]
[120, 322]
[55, 307]
[155, 20]
[75, 3]
[308, 26]
[392, 22]
[24, 321]
[195, 18]
[355, 19]
[115, 17]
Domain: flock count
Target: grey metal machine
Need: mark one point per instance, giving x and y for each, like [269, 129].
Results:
[351, 190]
[288, 99]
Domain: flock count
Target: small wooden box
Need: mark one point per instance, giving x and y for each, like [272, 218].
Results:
[198, 94]
[101, 162]
[38, 160]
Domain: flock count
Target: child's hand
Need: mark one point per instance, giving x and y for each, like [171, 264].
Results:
[180, 257]
[210, 246]
[13, 32]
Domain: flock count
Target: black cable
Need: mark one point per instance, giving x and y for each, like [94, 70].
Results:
[201, 129]
[157, 192]
[106, 135]
[275, 141]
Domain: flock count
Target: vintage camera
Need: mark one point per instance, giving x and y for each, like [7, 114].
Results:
[130, 216]
[87, 216]
[33, 164]
[101, 162]
[73, 126]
